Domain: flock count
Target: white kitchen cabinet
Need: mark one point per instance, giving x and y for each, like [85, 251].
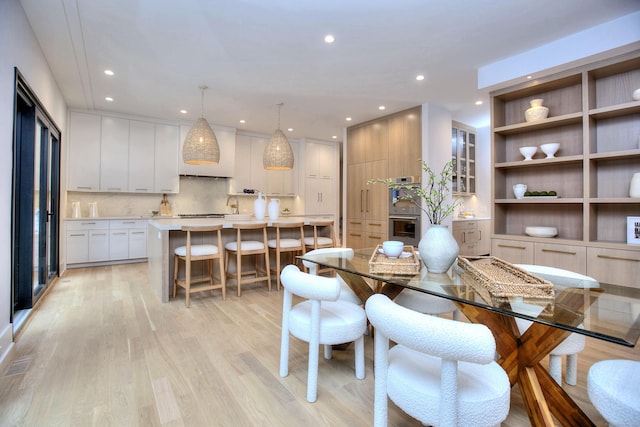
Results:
[226, 137]
[127, 239]
[114, 154]
[166, 177]
[142, 142]
[99, 244]
[77, 244]
[103, 240]
[242, 176]
[84, 152]
[320, 160]
[320, 196]
[285, 183]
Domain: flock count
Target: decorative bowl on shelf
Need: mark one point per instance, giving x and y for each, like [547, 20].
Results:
[528, 152]
[550, 149]
[540, 231]
[537, 111]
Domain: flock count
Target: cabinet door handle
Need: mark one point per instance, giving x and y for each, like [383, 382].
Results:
[361, 201]
[375, 224]
[137, 232]
[355, 235]
[78, 235]
[142, 189]
[511, 247]
[121, 233]
[617, 258]
[556, 251]
[367, 201]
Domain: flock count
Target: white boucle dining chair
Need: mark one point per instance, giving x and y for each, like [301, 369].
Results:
[346, 293]
[574, 343]
[441, 372]
[612, 386]
[321, 319]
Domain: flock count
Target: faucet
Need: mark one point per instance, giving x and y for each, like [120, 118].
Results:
[234, 206]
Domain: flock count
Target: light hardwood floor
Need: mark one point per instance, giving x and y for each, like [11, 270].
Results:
[103, 351]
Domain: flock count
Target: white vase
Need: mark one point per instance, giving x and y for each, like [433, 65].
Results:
[634, 185]
[274, 209]
[260, 207]
[537, 111]
[438, 249]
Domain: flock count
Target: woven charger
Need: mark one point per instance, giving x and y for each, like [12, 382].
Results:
[502, 279]
[380, 263]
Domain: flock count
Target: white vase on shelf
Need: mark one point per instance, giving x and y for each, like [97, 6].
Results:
[274, 209]
[537, 111]
[634, 186]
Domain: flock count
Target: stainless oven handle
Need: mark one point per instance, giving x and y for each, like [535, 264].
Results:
[408, 218]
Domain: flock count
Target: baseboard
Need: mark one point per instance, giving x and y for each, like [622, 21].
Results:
[6, 345]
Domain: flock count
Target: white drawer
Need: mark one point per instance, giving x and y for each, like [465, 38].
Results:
[88, 224]
[119, 224]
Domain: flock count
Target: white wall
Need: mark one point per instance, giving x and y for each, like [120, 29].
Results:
[19, 48]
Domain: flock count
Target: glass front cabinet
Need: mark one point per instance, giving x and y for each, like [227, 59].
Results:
[463, 154]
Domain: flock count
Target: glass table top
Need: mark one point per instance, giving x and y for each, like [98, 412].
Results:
[580, 304]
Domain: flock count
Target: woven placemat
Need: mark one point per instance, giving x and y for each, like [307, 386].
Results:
[502, 279]
[380, 263]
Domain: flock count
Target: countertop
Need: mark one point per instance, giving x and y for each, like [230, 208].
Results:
[176, 223]
[474, 218]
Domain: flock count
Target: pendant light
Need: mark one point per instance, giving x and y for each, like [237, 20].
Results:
[278, 154]
[201, 145]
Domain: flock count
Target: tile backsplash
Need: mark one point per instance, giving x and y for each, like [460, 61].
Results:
[197, 195]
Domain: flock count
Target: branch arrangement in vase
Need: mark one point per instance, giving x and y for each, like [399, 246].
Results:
[434, 192]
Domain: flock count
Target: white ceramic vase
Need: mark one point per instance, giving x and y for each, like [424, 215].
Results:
[634, 185]
[260, 207]
[537, 111]
[438, 249]
[274, 209]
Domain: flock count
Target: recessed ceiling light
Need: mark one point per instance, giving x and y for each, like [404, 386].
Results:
[108, 72]
[329, 38]
[108, 98]
[382, 107]
[183, 111]
[419, 77]
[479, 102]
[334, 137]
[290, 129]
[243, 121]
[529, 77]
[348, 119]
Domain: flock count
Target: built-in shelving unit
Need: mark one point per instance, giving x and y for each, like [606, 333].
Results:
[596, 121]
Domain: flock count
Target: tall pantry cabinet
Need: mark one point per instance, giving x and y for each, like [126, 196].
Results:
[382, 148]
[596, 121]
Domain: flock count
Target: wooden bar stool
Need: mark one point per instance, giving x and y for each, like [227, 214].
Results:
[289, 245]
[249, 247]
[318, 241]
[201, 252]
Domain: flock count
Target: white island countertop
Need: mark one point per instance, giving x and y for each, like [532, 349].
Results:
[176, 223]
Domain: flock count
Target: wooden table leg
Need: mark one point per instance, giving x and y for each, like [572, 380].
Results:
[520, 357]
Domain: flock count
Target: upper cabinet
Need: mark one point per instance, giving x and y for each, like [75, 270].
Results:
[463, 154]
[111, 153]
[84, 152]
[226, 137]
[405, 143]
[251, 174]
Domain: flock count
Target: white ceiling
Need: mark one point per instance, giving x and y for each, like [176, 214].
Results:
[254, 54]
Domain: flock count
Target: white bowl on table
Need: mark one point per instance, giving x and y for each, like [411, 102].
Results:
[528, 152]
[550, 149]
[392, 248]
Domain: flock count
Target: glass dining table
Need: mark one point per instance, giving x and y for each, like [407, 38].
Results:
[578, 305]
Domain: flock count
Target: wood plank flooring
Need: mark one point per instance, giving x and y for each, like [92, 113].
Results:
[103, 351]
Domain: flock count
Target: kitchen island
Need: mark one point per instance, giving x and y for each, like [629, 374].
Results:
[164, 235]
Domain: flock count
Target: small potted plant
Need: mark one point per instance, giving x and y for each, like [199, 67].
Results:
[438, 249]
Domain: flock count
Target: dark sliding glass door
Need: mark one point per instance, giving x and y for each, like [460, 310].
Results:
[36, 189]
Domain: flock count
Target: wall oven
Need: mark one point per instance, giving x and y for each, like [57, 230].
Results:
[405, 213]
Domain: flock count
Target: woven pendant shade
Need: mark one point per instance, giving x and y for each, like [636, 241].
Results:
[278, 154]
[201, 145]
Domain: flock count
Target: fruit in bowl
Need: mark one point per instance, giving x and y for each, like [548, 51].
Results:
[286, 211]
